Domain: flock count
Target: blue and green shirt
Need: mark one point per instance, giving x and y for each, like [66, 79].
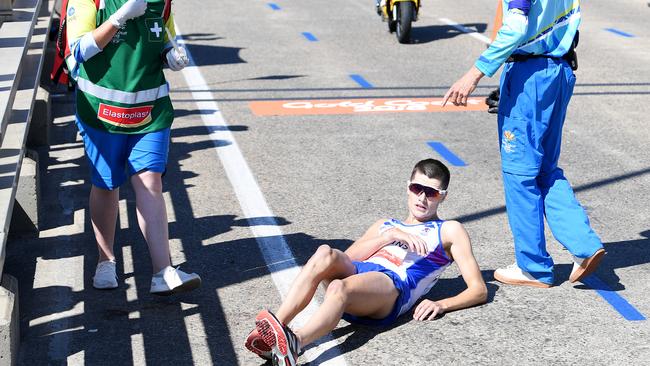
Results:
[532, 27]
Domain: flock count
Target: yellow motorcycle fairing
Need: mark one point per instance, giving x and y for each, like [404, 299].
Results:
[392, 3]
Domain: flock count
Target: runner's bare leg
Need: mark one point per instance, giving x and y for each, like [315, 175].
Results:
[370, 294]
[326, 264]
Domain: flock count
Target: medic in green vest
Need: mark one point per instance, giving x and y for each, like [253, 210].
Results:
[122, 89]
[117, 52]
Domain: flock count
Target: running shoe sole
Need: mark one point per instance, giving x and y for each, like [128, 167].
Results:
[511, 281]
[185, 287]
[587, 267]
[256, 344]
[272, 332]
[105, 288]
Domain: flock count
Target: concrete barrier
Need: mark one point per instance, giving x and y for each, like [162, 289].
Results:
[29, 29]
[9, 321]
[24, 218]
[5, 9]
[23, 38]
[39, 128]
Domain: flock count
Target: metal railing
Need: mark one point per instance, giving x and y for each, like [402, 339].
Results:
[23, 37]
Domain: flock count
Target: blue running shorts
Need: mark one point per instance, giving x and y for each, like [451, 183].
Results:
[402, 298]
[114, 157]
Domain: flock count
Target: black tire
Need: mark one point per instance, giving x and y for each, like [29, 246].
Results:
[405, 13]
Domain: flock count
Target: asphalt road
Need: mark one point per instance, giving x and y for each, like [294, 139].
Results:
[242, 187]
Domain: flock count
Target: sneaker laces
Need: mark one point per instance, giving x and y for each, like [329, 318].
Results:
[161, 273]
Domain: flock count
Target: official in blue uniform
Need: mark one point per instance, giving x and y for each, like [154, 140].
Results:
[536, 42]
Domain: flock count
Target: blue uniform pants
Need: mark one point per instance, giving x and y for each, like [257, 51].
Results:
[532, 107]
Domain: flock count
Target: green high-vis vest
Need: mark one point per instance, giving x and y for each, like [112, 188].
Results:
[123, 89]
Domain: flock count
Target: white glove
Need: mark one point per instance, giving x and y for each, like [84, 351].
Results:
[177, 60]
[131, 9]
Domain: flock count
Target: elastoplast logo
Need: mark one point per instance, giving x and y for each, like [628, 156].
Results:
[125, 117]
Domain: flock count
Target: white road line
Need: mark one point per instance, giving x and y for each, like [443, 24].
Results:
[137, 349]
[463, 29]
[124, 214]
[253, 204]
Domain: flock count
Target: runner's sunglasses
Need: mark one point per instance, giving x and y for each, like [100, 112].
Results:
[430, 192]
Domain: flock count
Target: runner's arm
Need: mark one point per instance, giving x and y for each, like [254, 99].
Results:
[369, 243]
[461, 251]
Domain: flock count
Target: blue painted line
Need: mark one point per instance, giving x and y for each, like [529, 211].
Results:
[274, 6]
[615, 300]
[361, 81]
[441, 149]
[310, 37]
[620, 33]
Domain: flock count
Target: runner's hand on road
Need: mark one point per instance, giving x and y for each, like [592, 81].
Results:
[177, 60]
[415, 243]
[428, 310]
[131, 9]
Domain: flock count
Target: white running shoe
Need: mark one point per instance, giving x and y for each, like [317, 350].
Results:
[105, 277]
[172, 280]
[513, 275]
[583, 267]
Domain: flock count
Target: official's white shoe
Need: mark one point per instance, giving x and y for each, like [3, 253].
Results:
[513, 275]
[105, 277]
[583, 267]
[172, 280]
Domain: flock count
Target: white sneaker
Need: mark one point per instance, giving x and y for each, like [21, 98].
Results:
[583, 267]
[172, 280]
[105, 277]
[513, 275]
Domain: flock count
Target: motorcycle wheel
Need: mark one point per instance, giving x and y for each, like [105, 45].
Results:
[405, 12]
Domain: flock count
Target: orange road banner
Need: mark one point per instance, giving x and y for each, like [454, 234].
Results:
[361, 106]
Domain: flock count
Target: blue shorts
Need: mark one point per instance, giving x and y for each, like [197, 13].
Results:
[401, 286]
[114, 157]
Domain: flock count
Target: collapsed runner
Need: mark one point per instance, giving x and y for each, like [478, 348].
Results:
[380, 276]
